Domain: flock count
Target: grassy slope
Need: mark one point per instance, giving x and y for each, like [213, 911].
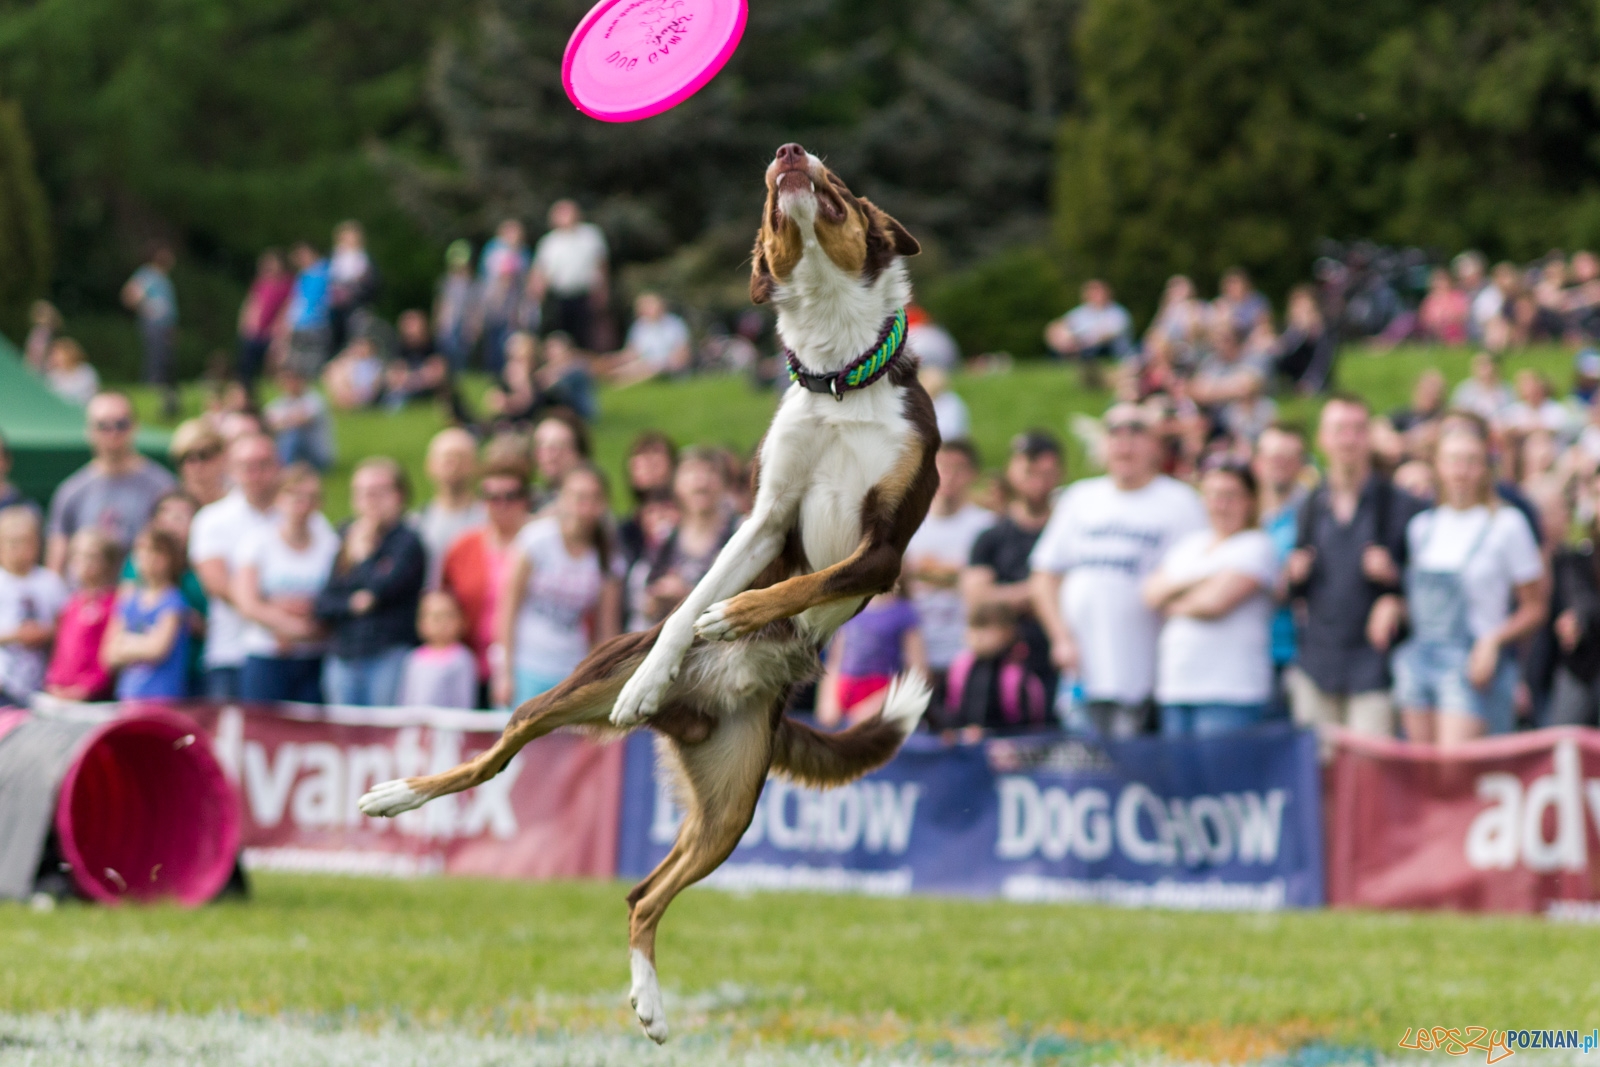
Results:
[726, 411]
[482, 953]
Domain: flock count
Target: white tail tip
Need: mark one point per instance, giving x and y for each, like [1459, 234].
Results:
[909, 697]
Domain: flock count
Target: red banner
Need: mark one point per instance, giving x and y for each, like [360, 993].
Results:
[552, 813]
[1504, 824]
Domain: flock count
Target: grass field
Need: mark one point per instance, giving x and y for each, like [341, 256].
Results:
[855, 976]
[345, 971]
[726, 411]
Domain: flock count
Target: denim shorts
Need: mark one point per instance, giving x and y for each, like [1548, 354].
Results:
[1433, 677]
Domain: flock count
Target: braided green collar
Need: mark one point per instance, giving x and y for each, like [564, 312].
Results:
[863, 371]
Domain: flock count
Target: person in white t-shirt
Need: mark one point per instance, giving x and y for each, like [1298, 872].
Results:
[1105, 537]
[563, 592]
[570, 267]
[31, 599]
[658, 343]
[1215, 589]
[214, 539]
[1470, 559]
[940, 549]
[278, 572]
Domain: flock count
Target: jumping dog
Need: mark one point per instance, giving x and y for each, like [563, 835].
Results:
[843, 479]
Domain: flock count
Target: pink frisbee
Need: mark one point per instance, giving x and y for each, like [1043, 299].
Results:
[630, 59]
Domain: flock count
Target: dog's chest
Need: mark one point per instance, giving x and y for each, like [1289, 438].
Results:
[849, 458]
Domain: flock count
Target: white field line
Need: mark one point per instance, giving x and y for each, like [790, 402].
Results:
[119, 1038]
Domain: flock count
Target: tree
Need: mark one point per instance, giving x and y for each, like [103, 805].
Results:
[1211, 133]
[943, 111]
[218, 126]
[24, 219]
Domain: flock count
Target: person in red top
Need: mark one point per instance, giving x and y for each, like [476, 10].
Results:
[258, 315]
[76, 671]
[475, 567]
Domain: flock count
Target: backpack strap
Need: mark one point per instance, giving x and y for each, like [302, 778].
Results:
[1011, 676]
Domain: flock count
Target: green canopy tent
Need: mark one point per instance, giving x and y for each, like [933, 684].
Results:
[45, 432]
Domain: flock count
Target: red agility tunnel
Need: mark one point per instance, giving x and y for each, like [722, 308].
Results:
[140, 807]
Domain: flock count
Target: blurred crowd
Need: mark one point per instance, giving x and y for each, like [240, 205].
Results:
[1419, 578]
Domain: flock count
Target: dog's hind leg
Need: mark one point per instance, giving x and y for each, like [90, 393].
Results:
[585, 697]
[722, 779]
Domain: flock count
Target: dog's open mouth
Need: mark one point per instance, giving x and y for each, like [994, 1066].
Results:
[799, 183]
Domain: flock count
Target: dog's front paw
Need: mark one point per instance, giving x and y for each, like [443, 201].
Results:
[388, 799]
[726, 620]
[641, 695]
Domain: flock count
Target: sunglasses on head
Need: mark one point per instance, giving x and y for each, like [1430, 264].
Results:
[113, 425]
[1130, 427]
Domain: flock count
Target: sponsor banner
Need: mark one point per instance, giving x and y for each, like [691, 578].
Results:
[1219, 823]
[1503, 824]
[300, 769]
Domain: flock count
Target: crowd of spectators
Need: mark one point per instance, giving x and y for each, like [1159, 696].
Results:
[1418, 579]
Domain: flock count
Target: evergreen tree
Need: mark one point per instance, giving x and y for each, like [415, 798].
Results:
[24, 220]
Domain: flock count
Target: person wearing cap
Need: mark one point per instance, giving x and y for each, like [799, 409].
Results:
[1105, 537]
[997, 570]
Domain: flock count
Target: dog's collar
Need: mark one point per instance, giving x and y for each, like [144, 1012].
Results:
[862, 371]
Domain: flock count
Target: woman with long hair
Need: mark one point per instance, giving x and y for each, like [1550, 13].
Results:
[280, 571]
[563, 592]
[370, 601]
[1471, 557]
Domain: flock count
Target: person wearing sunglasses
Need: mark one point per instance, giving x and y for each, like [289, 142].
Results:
[198, 454]
[476, 566]
[117, 490]
[1106, 536]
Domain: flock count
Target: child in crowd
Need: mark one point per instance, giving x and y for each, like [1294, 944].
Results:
[866, 653]
[354, 378]
[298, 417]
[31, 599]
[76, 671]
[148, 640]
[69, 374]
[989, 688]
[442, 672]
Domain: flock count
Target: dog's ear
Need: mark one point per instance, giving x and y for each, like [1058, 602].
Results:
[762, 283]
[898, 236]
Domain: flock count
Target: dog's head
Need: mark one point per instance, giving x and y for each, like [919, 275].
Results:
[805, 198]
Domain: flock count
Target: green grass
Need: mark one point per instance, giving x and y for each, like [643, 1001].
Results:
[530, 956]
[727, 411]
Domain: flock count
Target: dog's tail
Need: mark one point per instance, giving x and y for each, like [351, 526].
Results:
[819, 759]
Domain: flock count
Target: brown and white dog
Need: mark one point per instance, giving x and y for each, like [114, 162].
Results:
[845, 475]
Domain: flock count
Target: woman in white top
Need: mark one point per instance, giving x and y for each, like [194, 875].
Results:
[280, 571]
[563, 591]
[1214, 588]
[1470, 557]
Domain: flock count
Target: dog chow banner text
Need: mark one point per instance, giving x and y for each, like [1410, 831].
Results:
[1227, 823]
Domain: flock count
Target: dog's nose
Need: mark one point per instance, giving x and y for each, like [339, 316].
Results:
[791, 156]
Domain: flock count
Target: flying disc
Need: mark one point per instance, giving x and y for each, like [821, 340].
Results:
[630, 59]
